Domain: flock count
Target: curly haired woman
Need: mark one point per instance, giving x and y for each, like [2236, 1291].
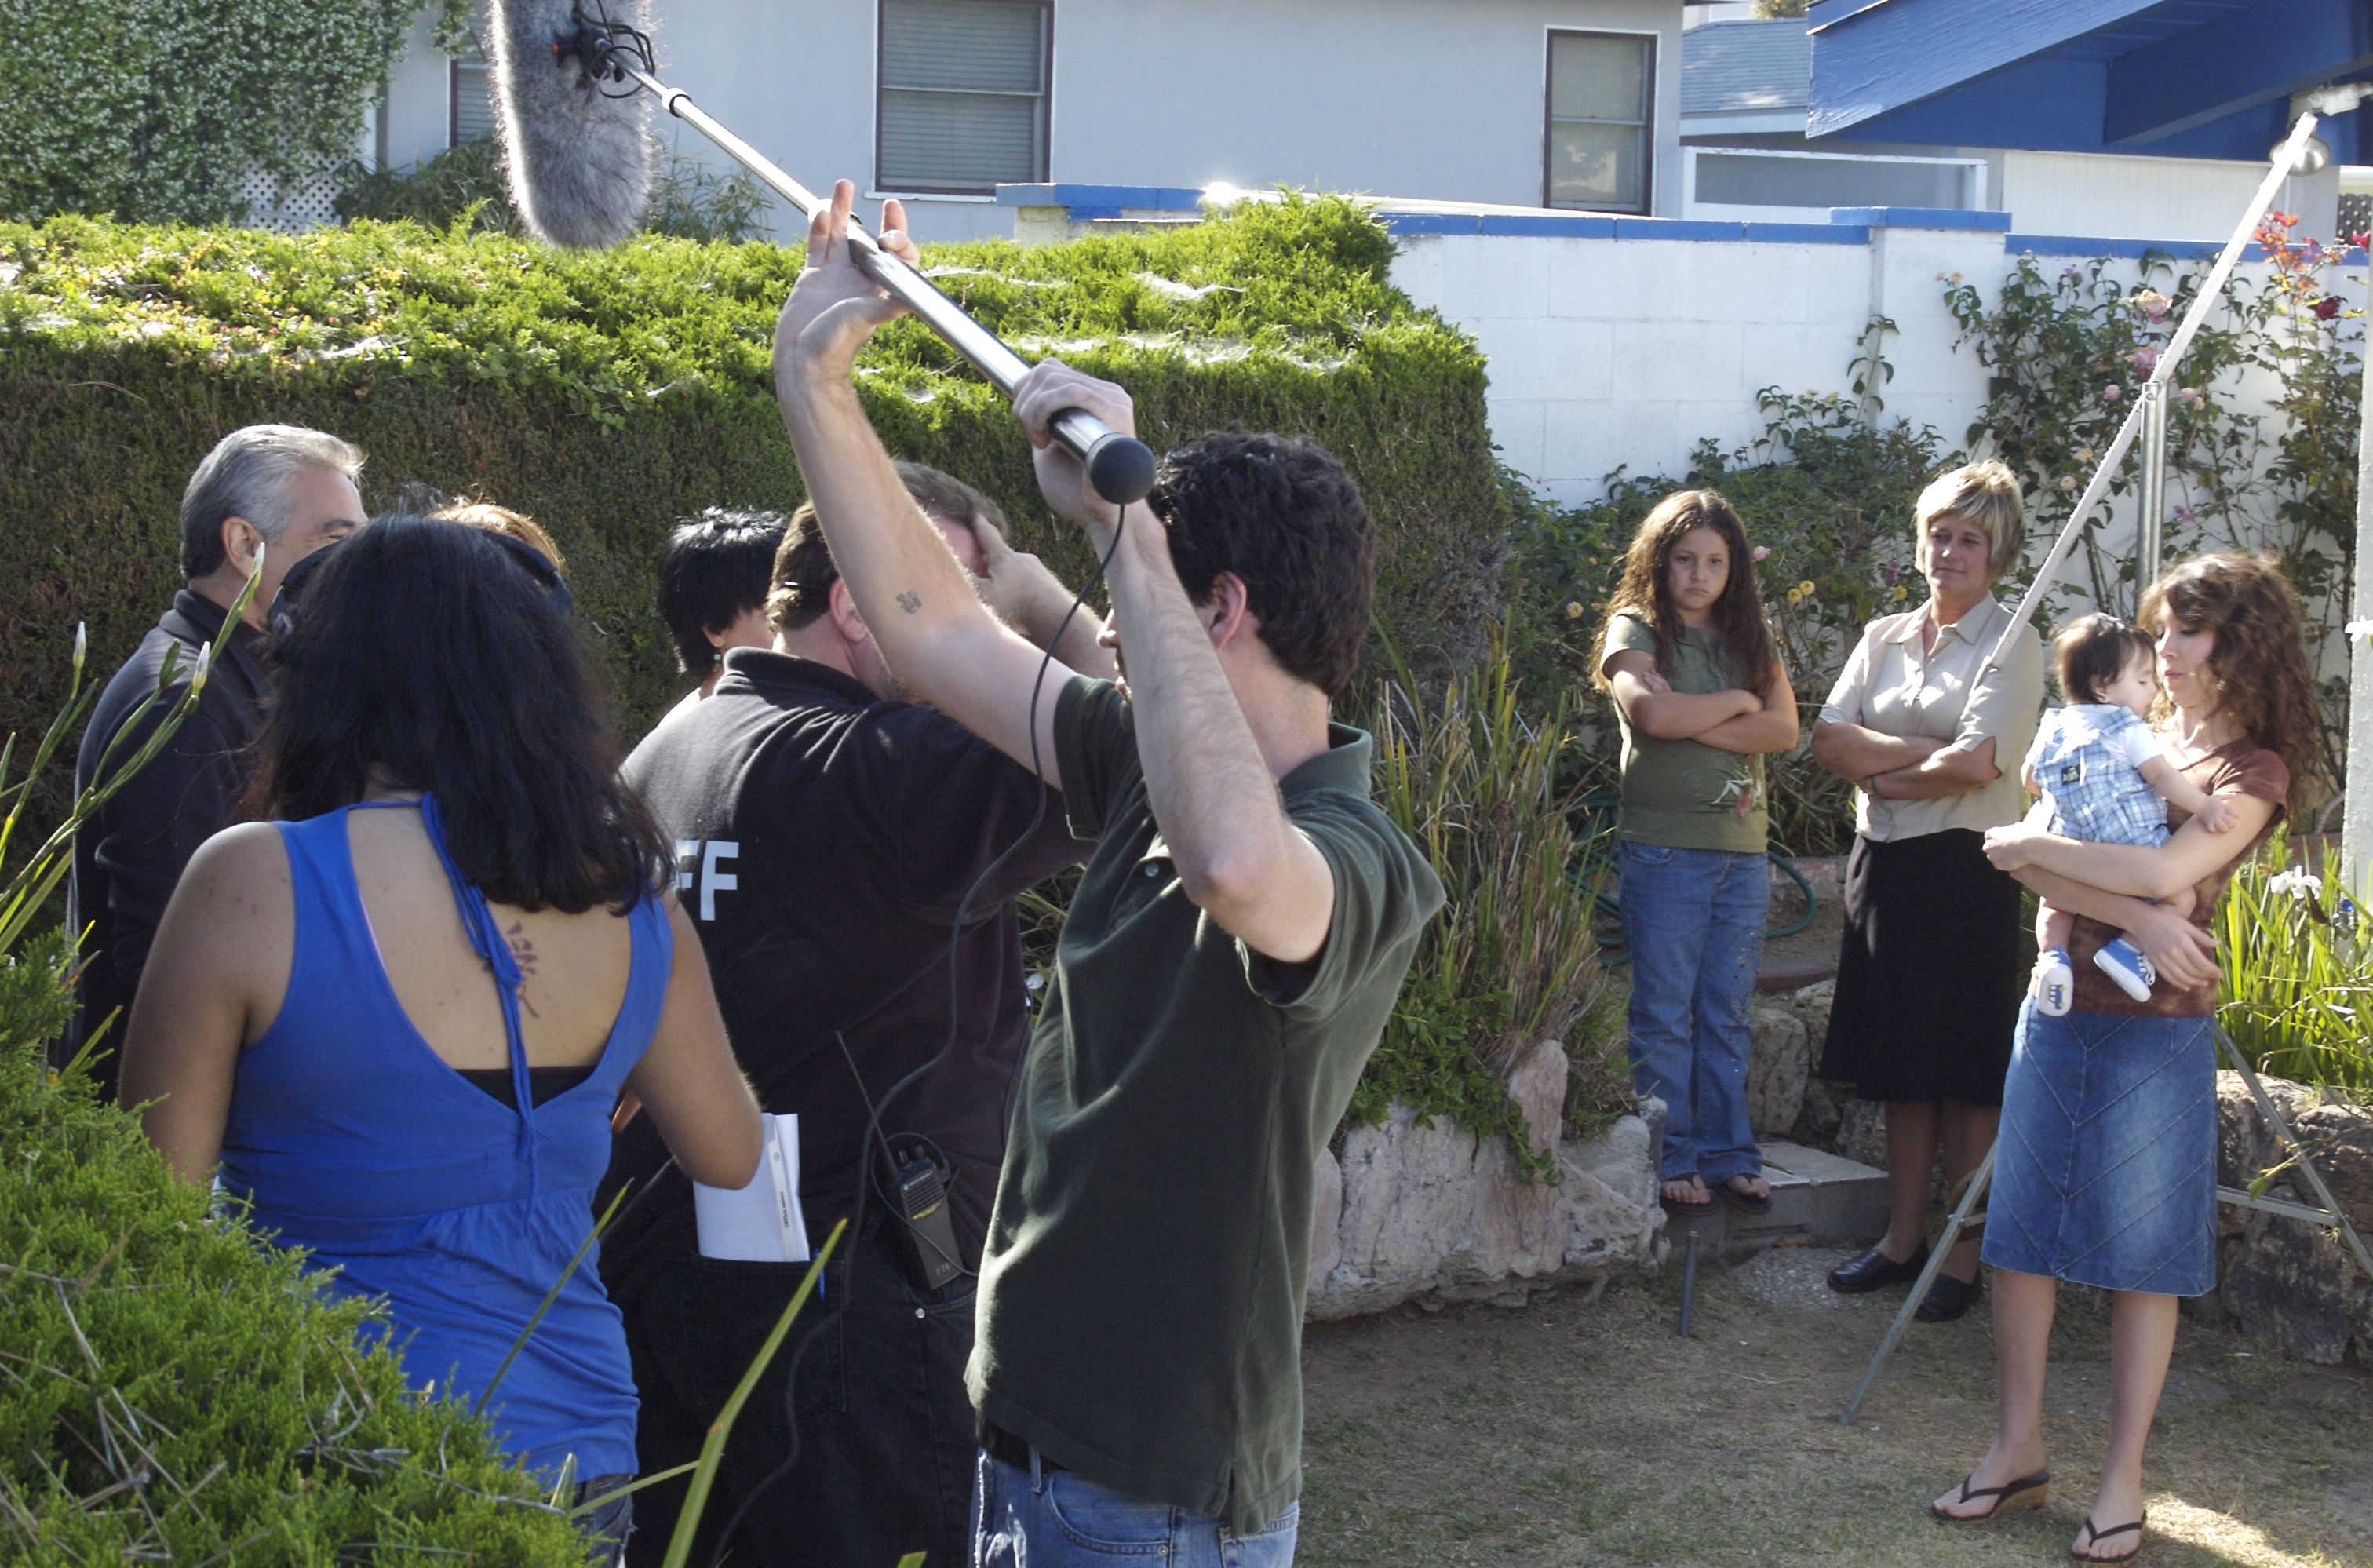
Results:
[2106, 1171]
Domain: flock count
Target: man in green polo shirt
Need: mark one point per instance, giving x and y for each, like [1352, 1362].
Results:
[1230, 959]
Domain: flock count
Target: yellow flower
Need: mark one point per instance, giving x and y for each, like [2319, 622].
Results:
[1899, 595]
[1806, 587]
[1572, 610]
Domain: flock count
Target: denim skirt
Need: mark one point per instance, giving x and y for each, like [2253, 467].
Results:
[2105, 1171]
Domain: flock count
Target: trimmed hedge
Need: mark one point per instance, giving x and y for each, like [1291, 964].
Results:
[173, 1389]
[610, 393]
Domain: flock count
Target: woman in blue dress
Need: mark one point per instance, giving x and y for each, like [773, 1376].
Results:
[395, 1020]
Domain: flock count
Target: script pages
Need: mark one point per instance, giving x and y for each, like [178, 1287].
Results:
[760, 1222]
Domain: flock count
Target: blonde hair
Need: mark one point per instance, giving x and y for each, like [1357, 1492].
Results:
[1985, 494]
[502, 519]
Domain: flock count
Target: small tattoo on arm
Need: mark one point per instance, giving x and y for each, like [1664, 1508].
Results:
[910, 601]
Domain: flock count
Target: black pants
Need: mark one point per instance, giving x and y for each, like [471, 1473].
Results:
[885, 1431]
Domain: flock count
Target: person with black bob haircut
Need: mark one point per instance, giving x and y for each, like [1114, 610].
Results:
[317, 1027]
[713, 576]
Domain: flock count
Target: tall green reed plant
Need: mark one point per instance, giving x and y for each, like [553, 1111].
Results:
[1475, 782]
[2298, 987]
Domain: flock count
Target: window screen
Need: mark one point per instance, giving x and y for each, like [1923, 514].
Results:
[964, 94]
[473, 107]
[1730, 178]
[1601, 94]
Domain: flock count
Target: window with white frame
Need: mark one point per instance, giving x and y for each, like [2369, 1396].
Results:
[1602, 90]
[963, 102]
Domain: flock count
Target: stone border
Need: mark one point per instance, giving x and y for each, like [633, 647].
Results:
[1426, 1212]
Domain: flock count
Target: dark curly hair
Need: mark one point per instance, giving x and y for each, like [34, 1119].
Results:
[2259, 660]
[1646, 590]
[1280, 513]
[425, 657]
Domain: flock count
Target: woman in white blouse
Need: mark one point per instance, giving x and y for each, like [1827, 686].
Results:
[1932, 967]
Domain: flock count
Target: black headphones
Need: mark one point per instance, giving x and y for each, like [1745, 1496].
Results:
[281, 620]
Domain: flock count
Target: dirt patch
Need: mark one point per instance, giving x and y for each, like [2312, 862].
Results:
[1572, 1433]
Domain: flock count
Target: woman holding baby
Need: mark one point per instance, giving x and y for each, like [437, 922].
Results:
[2106, 1172]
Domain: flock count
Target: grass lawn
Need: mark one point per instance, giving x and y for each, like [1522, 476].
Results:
[1577, 1431]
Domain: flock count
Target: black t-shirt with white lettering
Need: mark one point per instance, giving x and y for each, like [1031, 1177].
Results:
[825, 840]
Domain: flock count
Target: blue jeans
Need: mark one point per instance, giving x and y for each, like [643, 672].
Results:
[1694, 918]
[1050, 1518]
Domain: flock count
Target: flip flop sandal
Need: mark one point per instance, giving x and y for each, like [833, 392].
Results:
[2094, 1537]
[2027, 1491]
[1688, 1210]
[1745, 1203]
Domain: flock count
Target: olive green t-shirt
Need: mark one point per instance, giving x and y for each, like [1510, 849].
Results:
[1686, 794]
[1142, 1290]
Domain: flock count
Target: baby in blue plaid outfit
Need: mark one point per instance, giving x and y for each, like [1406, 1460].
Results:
[2105, 778]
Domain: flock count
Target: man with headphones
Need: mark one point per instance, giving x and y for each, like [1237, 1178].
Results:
[843, 854]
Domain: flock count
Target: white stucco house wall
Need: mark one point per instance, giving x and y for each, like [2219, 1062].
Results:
[1562, 103]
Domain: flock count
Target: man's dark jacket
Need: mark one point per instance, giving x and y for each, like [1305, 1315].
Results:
[128, 858]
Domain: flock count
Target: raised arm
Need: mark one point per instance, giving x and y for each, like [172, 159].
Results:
[1662, 714]
[1771, 728]
[1211, 784]
[913, 594]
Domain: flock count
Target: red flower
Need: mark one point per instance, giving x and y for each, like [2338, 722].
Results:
[2327, 307]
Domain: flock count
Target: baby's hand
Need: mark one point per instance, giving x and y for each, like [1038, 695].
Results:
[2218, 814]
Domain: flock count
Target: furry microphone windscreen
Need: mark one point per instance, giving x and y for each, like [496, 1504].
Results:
[577, 157]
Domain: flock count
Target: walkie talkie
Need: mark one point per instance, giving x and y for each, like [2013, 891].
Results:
[923, 1192]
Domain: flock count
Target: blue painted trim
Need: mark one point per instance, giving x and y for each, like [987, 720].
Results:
[2124, 249]
[1922, 217]
[1580, 227]
[1097, 198]
[1808, 234]
[1676, 228]
[1429, 223]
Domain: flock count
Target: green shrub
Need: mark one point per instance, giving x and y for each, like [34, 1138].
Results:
[2297, 988]
[172, 1389]
[610, 393]
[1510, 962]
[159, 112]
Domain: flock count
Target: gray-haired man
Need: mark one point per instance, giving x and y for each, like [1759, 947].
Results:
[277, 485]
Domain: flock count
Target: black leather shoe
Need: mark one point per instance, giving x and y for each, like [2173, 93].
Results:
[1947, 1299]
[1875, 1268]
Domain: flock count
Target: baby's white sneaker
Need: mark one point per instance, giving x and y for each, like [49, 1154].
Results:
[2055, 983]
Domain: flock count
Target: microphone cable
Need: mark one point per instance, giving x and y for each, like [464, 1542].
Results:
[873, 1133]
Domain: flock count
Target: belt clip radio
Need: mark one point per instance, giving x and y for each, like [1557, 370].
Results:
[921, 1189]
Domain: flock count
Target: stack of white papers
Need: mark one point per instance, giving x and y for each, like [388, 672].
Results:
[760, 1222]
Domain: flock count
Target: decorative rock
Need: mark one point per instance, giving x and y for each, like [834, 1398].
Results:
[2284, 1279]
[1424, 1214]
[1325, 1217]
[1862, 1131]
[1777, 1069]
[1823, 1111]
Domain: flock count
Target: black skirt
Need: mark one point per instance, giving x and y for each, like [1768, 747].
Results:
[1929, 974]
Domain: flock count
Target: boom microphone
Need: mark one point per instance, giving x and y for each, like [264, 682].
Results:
[569, 80]
[578, 151]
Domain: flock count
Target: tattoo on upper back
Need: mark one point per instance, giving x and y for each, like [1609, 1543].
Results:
[523, 954]
[910, 601]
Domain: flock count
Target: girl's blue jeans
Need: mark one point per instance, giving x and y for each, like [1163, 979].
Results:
[1694, 918]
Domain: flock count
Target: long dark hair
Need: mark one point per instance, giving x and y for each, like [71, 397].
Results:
[423, 657]
[2259, 660]
[1646, 590]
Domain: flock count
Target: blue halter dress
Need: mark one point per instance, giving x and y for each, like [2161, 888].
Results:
[355, 1140]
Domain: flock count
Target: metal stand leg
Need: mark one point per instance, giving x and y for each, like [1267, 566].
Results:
[2306, 1165]
[1964, 1216]
[1688, 1283]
